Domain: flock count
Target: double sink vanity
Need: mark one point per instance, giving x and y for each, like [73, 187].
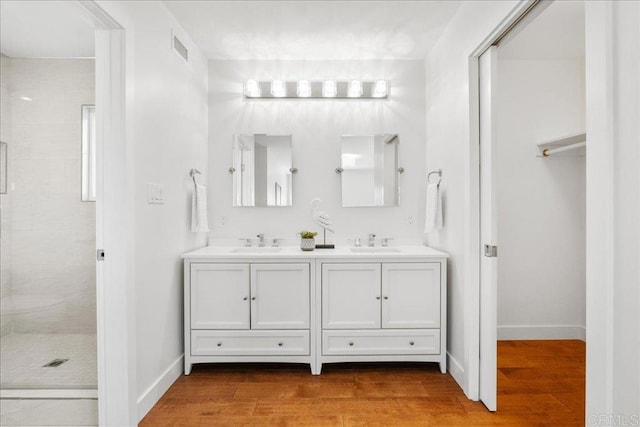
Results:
[281, 304]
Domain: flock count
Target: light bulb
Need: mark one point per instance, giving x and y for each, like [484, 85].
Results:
[252, 89]
[380, 89]
[329, 88]
[355, 89]
[304, 88]
[278, 89]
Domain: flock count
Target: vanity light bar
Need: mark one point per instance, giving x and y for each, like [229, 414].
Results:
[295, 89]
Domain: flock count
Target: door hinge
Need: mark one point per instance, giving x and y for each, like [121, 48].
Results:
[490, 251]
[100, 254]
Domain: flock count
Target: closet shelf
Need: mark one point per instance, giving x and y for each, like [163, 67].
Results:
[568, 146]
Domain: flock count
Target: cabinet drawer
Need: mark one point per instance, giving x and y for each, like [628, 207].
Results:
[249, 343]
[381, 342]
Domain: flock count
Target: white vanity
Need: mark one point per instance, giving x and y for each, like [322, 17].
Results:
[324, 306]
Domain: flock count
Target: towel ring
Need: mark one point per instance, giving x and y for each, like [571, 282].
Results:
[436, 172]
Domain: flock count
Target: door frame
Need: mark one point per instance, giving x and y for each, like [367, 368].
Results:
[473, 243]
[599, 50]
[115, 311]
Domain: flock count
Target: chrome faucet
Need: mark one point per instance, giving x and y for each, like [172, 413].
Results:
[260, 240]
[357, 242]
[372, 240]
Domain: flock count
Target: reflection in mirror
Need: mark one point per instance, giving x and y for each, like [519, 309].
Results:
[370, 170]
[262, 175]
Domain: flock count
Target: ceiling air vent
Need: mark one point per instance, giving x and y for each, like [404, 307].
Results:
[180, 48]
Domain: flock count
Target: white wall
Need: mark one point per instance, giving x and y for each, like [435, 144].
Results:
[541, 201]
[448, 113]
[52, 231]
[167, 136]
[316, 127]
[613, 212]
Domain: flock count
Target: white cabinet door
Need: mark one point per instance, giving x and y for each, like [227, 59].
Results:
[351, 296]
[410, 295]
[219, 296]
[280, 296]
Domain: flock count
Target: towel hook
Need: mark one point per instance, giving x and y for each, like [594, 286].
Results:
[193, 173]
[436, 172]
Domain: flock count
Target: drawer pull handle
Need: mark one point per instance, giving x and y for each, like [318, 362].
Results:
[350, 343]
[378, 297]
[219, 344]
[253, 298]
[386, 297]
[411, 342]
[245, 298]
[280, 344]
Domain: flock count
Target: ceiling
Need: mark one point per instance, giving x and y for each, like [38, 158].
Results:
[557, 32]
[45, 29]
[307, 30]
[314, 30]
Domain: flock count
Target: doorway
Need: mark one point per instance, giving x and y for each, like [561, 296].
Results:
[532, 186]
[111, 303]
[48, 355]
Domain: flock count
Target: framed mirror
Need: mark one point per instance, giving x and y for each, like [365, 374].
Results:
[369, 169]
[262, 170]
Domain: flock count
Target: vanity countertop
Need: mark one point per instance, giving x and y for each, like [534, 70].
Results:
[293, 252]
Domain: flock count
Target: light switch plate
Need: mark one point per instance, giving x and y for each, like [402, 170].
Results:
[155, 193]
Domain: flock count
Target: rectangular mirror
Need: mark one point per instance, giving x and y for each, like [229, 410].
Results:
[262, 170]
[369, 170]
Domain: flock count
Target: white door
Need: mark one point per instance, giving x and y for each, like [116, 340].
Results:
[280, 296]
[410, 295]
[488, 233]
[219, 296]
[351, 296]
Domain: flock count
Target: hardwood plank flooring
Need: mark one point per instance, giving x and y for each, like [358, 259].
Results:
[540, 383]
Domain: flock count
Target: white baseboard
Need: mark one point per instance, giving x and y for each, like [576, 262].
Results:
[456, 370]
[542, 332]
[151, 395]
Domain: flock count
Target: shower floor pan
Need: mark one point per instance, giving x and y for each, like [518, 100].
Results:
[23, 358]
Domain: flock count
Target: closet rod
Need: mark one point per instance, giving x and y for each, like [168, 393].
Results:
[549, 151]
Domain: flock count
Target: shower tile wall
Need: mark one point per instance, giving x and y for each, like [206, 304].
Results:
[5, 199]
[52, 249]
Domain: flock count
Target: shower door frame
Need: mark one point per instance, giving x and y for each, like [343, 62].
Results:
[117, 403]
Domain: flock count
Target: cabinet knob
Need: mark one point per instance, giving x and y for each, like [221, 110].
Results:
[253, 298]
[219, 344]
[386, 297]
[350, 343]
[280, 344]
[245, 298]
[378, 297]
[411, 342]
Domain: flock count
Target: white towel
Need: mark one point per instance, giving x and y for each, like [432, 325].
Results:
[433, 217]
[199, 222]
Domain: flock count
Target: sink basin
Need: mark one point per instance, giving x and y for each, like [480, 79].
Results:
[375, 250]
[265, 250]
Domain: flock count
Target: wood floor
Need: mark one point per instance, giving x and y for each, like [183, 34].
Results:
[540, 383]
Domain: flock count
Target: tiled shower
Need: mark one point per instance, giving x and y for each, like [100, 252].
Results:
[47, 243]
